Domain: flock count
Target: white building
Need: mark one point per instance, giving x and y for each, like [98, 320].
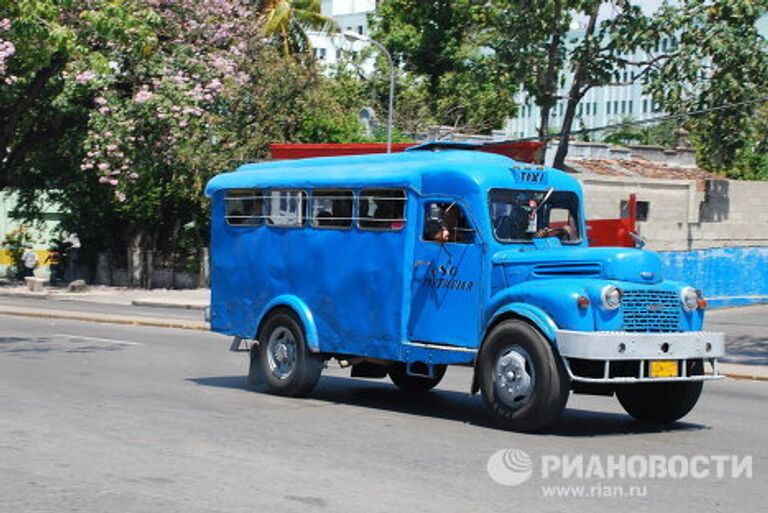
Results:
[350, 16]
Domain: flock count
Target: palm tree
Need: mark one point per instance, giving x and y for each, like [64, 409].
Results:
[287, 22]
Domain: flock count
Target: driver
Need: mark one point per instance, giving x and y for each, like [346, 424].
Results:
[445, 221]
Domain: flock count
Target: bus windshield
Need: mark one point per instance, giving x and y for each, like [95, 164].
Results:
[519, 216]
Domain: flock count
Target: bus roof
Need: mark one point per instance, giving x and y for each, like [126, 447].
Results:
[408, 169]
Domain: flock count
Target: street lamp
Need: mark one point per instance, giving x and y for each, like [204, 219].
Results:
[354, 36]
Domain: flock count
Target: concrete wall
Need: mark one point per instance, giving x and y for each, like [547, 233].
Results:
[42, 232]
[726, 276]
[686, 214]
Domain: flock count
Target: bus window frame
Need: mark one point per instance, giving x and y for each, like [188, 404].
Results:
[304, 209]
[360, 218]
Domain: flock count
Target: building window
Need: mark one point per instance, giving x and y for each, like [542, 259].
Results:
[332, 208]
[286, 208]
[382, 209]
[645, 105]
[623, 106]
[641, 206]
[360, 29]
[607, 107]
[244, 207]
[630, 105]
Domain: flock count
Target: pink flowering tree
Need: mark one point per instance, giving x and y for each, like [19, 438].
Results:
[146, 101]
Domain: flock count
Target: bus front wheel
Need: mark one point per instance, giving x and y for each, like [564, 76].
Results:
[659, 403]
[288, 366]
[522, 379]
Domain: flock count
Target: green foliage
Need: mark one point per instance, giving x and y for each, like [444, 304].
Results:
[720, 59]
[152, 100]
[16, 242]
[657, 134]
[287, 22]
[449, 79]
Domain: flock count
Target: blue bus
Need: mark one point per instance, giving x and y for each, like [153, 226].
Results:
[402, 264]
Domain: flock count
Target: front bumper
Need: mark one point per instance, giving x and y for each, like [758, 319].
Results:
[597, 351]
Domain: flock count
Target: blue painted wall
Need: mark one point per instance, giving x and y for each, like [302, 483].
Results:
[726, 276]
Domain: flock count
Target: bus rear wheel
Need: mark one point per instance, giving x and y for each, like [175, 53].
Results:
[522, 379]
[287, 365]
[415, 384]
[659, 403]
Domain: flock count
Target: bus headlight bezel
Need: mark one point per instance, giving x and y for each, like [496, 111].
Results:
[689, 298]
[610, 297]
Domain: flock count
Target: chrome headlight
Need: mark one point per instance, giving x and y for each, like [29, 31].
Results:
[689, 297]
[610, 296]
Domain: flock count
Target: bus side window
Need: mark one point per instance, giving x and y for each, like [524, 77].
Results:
[244, 207]
[332, 208]
[382, 209]
[446, 222]
[286, 207]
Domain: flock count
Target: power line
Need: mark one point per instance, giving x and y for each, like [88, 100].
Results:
[626, 124]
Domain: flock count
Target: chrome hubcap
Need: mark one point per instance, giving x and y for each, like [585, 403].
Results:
[514, 377]
[281, 353]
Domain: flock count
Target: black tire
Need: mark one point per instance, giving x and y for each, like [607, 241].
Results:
[550, 385]
[255, 371]
[659, 403]
[306, 368]
[414, 384]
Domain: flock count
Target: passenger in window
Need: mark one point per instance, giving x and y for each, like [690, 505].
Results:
[236, 217]
[446, 223]
[387, 211]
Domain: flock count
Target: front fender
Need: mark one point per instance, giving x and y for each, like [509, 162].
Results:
[533, 314]
[301, 309]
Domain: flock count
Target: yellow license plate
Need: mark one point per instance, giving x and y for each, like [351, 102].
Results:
[663, 369]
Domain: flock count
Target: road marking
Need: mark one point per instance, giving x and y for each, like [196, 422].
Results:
[97, 339]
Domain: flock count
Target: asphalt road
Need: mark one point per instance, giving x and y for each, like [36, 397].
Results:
[746, 332]
[98, 417]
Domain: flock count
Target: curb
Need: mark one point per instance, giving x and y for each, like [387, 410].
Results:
[125, 321]
[163, 304]
[26, 295]
[745, 377]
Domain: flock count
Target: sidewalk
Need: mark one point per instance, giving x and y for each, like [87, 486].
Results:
[195, 299]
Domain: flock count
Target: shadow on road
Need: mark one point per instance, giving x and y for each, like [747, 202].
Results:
[452, 405]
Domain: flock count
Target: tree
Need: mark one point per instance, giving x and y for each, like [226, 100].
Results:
[595, 57]
[717, 58]
[287, 22]
[456, 79]
[150, 127]
[528, 41]
[41, 41]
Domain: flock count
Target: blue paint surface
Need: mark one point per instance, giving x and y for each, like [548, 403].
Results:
[726, 276]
